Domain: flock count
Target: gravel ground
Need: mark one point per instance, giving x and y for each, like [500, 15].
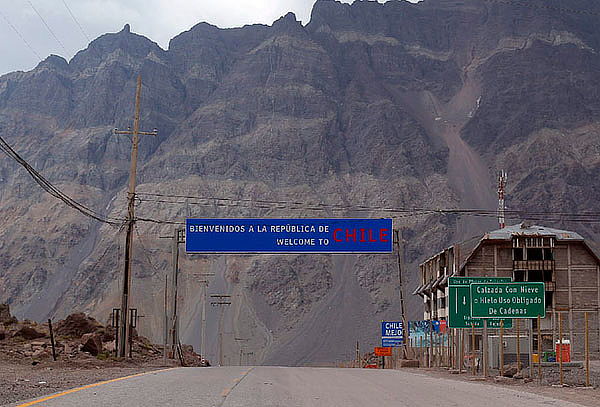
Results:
[22, 382]
[574, 393]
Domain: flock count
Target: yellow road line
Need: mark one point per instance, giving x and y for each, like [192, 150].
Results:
[31, 403]
[236, 381]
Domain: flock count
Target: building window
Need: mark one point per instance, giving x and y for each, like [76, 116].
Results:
[517, 254]
[547, 275]
[518, 275]
[535, 275]
[535, 254]
[548, 254]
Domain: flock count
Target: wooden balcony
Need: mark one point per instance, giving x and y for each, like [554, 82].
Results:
[533, 265]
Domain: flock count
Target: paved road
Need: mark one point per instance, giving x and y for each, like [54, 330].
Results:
[285, 386]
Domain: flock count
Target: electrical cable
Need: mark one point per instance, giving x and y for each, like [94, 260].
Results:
[48, 27]
[54, 191]
[21, 36]
[76, 21]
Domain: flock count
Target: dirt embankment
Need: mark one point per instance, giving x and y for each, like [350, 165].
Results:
[84, 351]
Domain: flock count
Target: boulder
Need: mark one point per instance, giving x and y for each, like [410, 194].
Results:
[408, 363]
[77, 325]
[92, 343]
[509, 371]
[29, 332]
[5, 317]
[110, 346]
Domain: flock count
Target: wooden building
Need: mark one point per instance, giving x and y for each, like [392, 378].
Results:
[561, 259]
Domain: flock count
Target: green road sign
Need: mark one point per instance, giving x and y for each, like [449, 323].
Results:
[508, 300]
[459, 302]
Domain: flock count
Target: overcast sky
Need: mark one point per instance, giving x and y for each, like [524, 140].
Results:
[26, 38]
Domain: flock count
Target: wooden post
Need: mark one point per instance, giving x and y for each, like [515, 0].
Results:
[530, 336]
[560, 341]
[539, 333]
[518, 322]
[484, 350]
[587, 352]
[473, 371]
[461, 353]
[430, 348]
[501, 345]
[54, 345]
[421, 351]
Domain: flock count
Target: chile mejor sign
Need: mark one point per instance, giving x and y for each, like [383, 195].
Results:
[288, 236]
[392, 333]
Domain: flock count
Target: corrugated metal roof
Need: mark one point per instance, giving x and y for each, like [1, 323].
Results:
[524, 229]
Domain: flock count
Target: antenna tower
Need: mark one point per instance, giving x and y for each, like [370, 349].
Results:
[502, 177]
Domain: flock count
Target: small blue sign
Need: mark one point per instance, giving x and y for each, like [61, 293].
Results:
[288, 236]
[392, 333]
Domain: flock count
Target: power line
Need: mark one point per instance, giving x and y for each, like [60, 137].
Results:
[48, 27]
[584, 217]
[20, 36]
[76, 21]
[54, 191]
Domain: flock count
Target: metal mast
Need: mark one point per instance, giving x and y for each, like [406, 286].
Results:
[502, 177]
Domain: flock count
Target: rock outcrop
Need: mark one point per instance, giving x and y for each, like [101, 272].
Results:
[395, 105]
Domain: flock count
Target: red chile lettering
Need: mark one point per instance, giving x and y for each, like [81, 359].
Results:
[383, 235]
[335, 237]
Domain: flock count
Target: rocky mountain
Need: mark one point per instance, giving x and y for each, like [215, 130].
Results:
[382, 105]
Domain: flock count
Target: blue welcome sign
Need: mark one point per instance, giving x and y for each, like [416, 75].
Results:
[288, 236]
[392, 333]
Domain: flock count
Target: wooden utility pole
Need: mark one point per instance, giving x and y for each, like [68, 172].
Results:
[177, 239]
[501, 346]
[518, 322]
[204, 299]
[473, 348]
[358, 364]
[124, 326]
[400, 254]
[166, 327]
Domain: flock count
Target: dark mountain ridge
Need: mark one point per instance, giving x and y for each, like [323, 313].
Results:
[383, 105]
